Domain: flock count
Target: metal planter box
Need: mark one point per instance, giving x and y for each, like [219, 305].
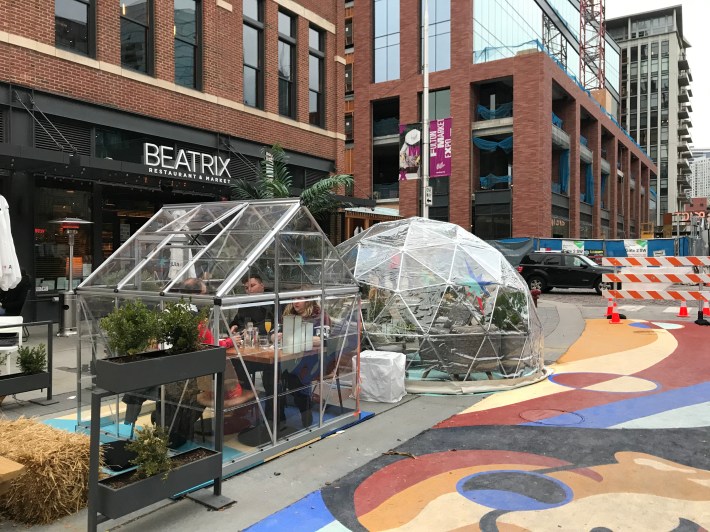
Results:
[123, 374]
[116, 502]
[24, 382]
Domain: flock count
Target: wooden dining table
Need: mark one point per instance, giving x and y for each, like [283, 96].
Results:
[267, 355]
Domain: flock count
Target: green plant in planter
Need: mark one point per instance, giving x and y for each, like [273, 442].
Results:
[180, 326]
[131, 328]
[151, 448]
[32, 359]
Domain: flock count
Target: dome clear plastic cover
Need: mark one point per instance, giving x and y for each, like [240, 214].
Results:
[453, 304]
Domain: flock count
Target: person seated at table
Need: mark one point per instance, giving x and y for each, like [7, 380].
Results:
[258, 316]
[306, 369]
[193, 285]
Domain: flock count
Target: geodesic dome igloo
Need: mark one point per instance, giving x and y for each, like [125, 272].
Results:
[452, 303]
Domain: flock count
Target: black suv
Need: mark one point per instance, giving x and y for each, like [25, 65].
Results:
[547, 270]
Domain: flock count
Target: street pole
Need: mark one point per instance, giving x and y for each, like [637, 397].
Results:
[425, 112]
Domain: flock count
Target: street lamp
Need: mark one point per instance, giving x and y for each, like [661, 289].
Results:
[67, 299]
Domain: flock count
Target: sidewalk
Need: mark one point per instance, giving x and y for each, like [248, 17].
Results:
[274, 485]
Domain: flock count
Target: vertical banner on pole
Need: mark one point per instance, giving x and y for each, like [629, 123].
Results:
[440, 148]
[410, 151]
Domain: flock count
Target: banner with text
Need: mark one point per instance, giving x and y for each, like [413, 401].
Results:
[440, 148]
[636, 248]
[573, 246]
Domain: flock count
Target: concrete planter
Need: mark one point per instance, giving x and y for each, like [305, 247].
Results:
[126, 373]
[24, 382]
[116, 502]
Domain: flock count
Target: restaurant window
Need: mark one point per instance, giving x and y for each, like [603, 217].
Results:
[316, 75]
[348, 78]
[349, 125]
[136, 35]
[74, 25]
[187, 43]
[287, 65]
[51, 244]
[253, 41]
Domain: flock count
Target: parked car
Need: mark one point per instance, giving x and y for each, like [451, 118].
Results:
[547, 270]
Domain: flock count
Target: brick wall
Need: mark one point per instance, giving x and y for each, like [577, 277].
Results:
[222, 72]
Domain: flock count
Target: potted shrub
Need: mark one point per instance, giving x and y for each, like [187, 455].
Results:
[157, 475]
[133, 329]
[33, 375]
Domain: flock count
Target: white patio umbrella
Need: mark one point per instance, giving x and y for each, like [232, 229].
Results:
[8, 256]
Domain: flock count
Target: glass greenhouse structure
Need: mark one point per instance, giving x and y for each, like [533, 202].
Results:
[288, 376]
[450, 302]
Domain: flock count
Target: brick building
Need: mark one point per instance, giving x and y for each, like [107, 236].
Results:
[108, 110]
[533, 153]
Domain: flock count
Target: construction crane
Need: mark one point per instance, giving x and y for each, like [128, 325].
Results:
[591, 44]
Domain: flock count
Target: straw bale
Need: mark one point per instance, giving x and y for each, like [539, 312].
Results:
[55, 479]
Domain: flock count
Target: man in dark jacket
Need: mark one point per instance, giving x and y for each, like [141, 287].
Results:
[12, 301]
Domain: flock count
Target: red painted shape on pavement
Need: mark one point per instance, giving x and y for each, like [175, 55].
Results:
[397, 477]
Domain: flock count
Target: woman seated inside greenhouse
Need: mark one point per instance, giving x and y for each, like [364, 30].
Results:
[306, 369]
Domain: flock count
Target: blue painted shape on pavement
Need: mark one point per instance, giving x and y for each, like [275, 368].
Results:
[641, 325]
[306, 515]
[608, 415]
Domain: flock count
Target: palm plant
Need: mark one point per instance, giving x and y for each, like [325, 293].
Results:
[274, 181]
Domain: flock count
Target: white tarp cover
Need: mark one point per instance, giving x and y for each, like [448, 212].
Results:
[382, 376]
[453, 304]
[8, 256]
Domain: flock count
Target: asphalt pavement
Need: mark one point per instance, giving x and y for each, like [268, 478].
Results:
[268, 488]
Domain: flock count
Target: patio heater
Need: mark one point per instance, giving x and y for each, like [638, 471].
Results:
[67, 298]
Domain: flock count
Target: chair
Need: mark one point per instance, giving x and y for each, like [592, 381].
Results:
[8, 342]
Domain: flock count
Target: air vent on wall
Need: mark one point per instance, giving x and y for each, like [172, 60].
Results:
[75, 135]
[2, 127]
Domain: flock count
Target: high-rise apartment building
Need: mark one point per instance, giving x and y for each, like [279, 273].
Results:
[700, 170]
[655, 98]
[521, 148]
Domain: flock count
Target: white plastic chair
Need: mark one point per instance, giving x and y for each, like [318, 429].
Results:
[7, 349]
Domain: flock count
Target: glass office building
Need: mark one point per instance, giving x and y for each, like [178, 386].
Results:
[530, 151]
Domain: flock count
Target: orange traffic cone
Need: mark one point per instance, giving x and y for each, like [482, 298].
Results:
[683, 313]
[609, 307]
[706, 309]
[615, 316]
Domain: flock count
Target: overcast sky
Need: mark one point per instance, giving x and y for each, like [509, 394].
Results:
[697, 33]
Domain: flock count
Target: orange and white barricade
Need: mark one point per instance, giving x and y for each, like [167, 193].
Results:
[700, 279]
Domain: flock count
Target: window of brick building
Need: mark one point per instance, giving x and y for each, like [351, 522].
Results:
[287, 64]
[74, 25]
[386, 45]
[349, 125]
[348, 32]
[316, 75]
[349, 78]
[136, 35]
[253, 41]
[439, 34]
[187, 21]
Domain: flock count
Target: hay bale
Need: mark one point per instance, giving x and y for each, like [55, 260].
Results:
[54, 482]
[9, 471]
